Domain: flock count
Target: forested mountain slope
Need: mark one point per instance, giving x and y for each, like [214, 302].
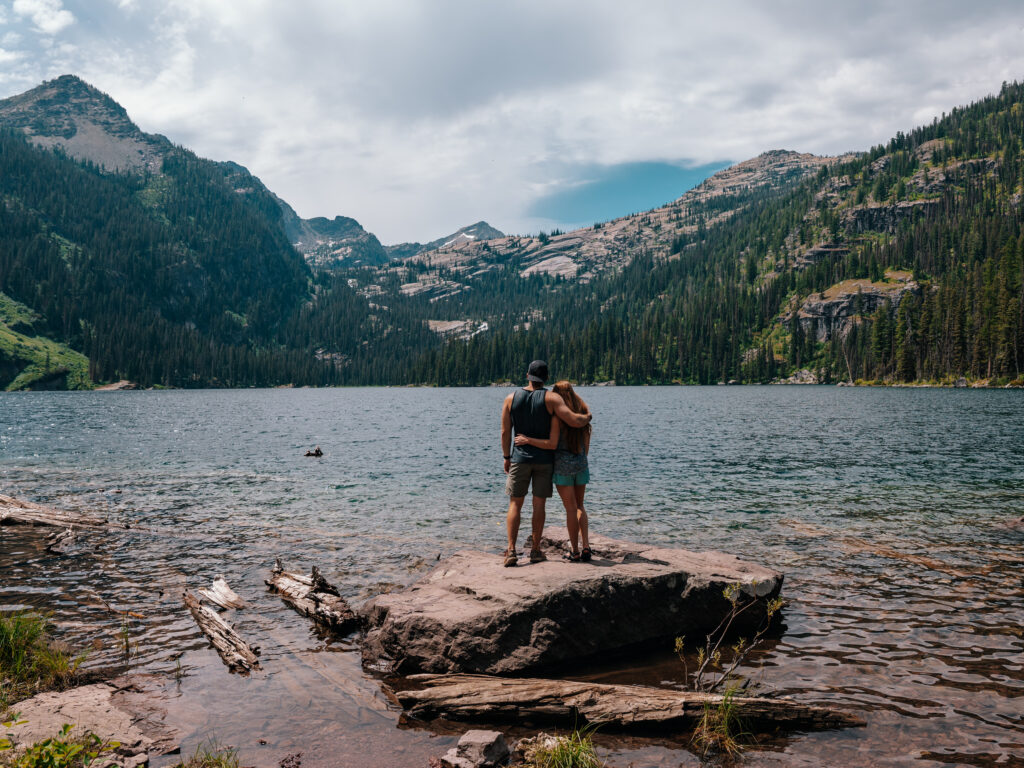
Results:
[124, 256]
[900, 264]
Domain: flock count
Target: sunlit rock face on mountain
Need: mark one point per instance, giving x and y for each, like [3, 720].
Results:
[86, 123]
[583, 253]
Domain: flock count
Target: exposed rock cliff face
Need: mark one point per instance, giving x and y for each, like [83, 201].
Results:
[583, 253]
[835, 310]
[85, 122]
[89, 125]
[886, 218]
[471, 615]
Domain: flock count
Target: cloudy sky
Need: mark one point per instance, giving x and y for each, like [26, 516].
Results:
[419, 117]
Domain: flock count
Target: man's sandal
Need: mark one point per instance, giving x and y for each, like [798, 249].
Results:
[511, 558]
[536, 556]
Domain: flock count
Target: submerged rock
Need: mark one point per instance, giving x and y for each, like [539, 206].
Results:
[470, 614]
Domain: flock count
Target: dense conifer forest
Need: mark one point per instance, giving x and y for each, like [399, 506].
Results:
[711, 312]
[178, 279]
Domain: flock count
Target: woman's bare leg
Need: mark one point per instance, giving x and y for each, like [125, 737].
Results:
[568, 495]
[581, 514]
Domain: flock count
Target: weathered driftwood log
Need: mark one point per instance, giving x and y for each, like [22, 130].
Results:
[16, 512]
[221, 594]
[621, 707]
[235, 652]
[314, 596]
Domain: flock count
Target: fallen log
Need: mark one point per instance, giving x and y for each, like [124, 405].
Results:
[16, 512]
[235, 652]
[313, 596]
[619, 707]
[221, 594]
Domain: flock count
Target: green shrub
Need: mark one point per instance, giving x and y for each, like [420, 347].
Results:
[63, 751]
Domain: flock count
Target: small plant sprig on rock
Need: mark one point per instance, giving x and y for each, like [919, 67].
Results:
[710, 674]
[719, 730]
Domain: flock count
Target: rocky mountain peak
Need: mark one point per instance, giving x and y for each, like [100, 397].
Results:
[88, 124]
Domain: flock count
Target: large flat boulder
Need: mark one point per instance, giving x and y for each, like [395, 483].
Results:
[472, 615]
[127, 710]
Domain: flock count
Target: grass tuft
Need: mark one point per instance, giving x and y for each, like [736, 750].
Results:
[719, 731]
[573, 751]
[210, 754]
[30, 662]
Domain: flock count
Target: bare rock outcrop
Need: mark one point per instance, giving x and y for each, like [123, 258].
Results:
[471, 615]
[831, 312]
[126, 710]
[886, 218]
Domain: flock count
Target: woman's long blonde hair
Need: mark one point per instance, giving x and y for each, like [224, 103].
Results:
[573, 435]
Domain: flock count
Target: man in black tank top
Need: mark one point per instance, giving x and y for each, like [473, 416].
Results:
[529, 411]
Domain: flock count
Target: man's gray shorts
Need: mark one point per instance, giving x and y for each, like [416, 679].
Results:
[520, 474]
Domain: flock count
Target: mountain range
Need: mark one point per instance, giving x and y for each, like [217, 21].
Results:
[124, 256]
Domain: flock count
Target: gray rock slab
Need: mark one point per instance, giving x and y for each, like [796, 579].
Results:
[478, 749]
[470, 614]
[126, 710]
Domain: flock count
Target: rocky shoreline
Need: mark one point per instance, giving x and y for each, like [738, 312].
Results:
[470, 615]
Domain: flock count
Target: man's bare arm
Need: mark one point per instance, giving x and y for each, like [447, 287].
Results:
[506, 429]
[556, 405]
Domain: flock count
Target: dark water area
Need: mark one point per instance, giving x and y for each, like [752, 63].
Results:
[889, 511]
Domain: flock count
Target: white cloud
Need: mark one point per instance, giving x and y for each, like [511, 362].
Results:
[49, 16]
[8, 56]
[416, 117]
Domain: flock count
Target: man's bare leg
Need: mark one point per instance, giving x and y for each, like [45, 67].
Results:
[568, 495]
[537, 524]
[512, 519]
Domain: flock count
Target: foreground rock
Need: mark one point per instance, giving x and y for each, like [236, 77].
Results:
[126, 710]
[471, 615]
[574, 704]
[477, 749]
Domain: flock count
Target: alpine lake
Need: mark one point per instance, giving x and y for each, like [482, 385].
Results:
[891, 512]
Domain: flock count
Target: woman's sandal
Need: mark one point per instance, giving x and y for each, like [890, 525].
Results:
[572, 557]
[586, 554]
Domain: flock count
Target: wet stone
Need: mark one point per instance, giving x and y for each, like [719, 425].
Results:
[477, 749]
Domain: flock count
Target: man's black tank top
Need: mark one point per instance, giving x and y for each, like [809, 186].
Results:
[530, 417]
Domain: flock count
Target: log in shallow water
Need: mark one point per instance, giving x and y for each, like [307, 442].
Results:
[492, 699]
[16, 512]
[235, 652]
[314, 596]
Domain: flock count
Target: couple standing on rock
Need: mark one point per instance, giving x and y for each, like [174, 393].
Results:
[552, 440]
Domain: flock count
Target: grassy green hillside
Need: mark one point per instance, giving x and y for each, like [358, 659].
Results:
[28, 361]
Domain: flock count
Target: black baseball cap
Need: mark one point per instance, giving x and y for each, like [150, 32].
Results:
[538, 371]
